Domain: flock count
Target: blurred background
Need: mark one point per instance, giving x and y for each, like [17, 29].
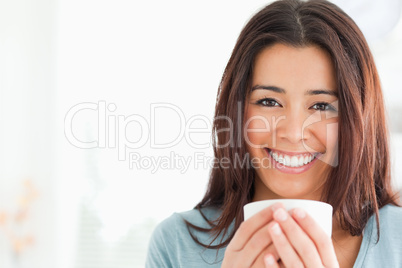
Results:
[98, 102]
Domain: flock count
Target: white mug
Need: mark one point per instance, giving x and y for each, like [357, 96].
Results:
[321, 212]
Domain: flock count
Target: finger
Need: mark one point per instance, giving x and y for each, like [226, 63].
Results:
[299, 240]
[248, 228]
[270, 250]
[285, 250]
[255, 246]
[321, 239]
[270, 261]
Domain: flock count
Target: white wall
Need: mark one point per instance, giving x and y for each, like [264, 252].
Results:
[26, 109]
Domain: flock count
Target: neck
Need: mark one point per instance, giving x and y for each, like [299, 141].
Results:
[346, 246]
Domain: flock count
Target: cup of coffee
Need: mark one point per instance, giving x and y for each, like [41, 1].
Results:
[321, 212]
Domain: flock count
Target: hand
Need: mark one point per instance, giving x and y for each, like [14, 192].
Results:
[300, 241]
[251, 243]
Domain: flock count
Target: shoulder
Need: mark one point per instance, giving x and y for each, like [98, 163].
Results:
[173, 225]
[162, 238]
[387, 250]
[390, 219]
[171, 244]
[200, 217]
[391, 215]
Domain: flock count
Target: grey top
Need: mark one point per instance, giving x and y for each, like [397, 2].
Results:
[172, 246]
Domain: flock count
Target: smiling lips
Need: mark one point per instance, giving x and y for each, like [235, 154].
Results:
[292, 162]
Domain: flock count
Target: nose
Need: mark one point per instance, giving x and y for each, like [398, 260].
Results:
[291, 128]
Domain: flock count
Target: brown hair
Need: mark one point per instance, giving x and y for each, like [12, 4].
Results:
[360, 185]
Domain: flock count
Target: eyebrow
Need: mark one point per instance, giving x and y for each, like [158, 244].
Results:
[309, 92]
[272, 88]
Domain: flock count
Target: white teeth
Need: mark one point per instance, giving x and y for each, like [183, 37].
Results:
[292, 161]
[280, 159]
[301, 160]
[287, 160]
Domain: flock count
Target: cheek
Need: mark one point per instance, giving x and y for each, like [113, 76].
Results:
[328, 137]
[257, 130]
[332, 136]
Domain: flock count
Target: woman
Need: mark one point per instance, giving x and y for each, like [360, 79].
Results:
[299, 114]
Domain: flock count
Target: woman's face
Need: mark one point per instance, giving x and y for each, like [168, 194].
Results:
[291, 122]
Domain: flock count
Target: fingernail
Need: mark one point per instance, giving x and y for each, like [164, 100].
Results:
[269, 260]
[300, 213]
[276, 229]
[280, 214]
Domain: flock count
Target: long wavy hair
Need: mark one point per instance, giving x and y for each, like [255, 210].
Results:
[360, 185]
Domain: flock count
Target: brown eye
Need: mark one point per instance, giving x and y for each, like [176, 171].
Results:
[268, 102]
[323, 106]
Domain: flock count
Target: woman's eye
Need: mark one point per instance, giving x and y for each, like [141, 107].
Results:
[268, 102]
[323, 106]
